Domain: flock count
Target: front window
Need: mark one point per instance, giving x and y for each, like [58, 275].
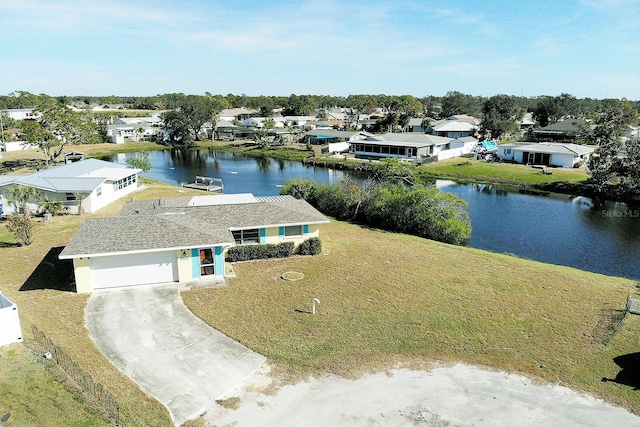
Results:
[293, 230]
[244, 237]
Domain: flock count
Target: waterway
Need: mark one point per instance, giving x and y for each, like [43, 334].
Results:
[554, 228]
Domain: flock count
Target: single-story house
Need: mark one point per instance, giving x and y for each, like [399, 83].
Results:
[231, 114]
[227, 131]
[562, 131]
[182, 239]
[16, 146]
[87, 184]
[121, 132]
[453, 129]
[411, 146]
[416, 124]
[544, 153]
[22, 113]
[326, 136]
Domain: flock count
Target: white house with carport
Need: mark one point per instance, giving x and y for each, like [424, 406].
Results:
[182, 239]
[88, 184]
[545, 153]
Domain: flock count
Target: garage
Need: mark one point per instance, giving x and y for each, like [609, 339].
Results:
[134, 269]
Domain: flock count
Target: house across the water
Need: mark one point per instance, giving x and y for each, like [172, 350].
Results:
[545, 153]
[413, 147]
[182, 239]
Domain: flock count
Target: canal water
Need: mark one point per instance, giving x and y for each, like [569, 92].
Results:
[554, 228]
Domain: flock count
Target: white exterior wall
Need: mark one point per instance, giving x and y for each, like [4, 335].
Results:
[94, 202]
[17, 146]
[10, 331]
[563, 160]
[452, 152]
[514, 156]
[337, 147]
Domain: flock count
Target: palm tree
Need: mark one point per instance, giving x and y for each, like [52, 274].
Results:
[20, 195]
[426, 124]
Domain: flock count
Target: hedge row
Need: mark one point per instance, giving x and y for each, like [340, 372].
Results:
[310, 246]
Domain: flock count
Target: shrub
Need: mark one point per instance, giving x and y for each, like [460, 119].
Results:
[250, 252]
[311, 246]
[21, 227]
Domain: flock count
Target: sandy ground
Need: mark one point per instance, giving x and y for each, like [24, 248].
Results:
[459, 395]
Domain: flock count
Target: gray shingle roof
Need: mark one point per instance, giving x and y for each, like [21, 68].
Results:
[153, 225]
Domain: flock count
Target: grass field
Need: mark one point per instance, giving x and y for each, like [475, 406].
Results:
[498, 173]
[389, 298]
[28, 388]
[385, 299]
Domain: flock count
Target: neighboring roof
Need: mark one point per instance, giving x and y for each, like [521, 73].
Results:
[570, 126]
[186, 222]
[454, 126]
[235, 112]
[464, 118]
[77, 177]
[417, 121]
[225, 124]
[415, 138]
[332, 133]
[551, 148]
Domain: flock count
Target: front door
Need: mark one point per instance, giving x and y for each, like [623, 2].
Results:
[207, 263]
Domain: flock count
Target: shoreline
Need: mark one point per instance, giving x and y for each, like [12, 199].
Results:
[32, 160]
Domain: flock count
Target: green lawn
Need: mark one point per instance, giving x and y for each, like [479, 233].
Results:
[465, 169]
[389, 298]
[385, 298]
[34, 390]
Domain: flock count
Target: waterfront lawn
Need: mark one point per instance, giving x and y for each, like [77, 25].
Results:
[467, 169]
[33, 389]
[388, 299]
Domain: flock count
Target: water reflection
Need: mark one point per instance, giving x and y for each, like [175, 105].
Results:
[261, 176]
[602, 237]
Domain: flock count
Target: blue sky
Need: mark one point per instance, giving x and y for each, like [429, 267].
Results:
[587, 48]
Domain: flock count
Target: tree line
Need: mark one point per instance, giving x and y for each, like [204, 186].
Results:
[615, 162]
[545, 108]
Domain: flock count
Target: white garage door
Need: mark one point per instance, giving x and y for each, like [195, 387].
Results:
[137, 269]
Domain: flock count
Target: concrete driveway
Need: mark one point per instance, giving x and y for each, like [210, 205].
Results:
[152, 337]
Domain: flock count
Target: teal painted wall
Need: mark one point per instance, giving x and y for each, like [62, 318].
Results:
[195, 259]
[263, 236]
[219, 261]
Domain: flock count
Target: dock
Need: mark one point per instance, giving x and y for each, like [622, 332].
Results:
[206, 183]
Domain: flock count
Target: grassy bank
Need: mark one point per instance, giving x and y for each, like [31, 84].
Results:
[389, 298]
[385, 298]
[33, 390]
[465, 169]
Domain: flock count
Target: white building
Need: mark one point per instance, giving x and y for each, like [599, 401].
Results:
[545, 153]
[86, 185]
